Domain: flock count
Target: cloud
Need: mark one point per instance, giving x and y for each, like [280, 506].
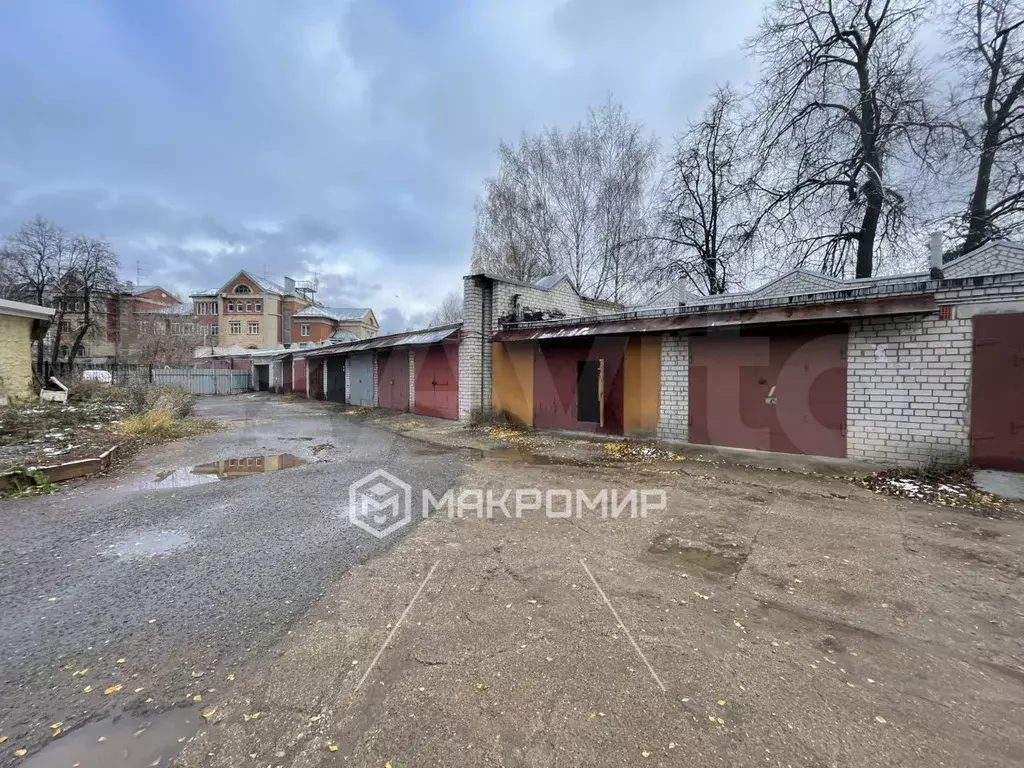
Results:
[346, 138]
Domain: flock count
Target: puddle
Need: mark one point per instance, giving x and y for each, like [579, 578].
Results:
[128, 742]
[679, 556]
[225, 469]
[150, 542]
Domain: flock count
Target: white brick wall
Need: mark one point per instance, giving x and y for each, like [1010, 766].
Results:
[412, 380]
[674, 412]
[471, 348]
[348, 380]
[908, 390]
[991, 259]
[562, 297]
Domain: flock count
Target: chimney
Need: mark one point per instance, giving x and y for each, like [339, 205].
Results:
[289, 285]
[935, 253]
[682, 291]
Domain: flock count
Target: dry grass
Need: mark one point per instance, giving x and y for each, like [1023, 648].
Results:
[162, 424]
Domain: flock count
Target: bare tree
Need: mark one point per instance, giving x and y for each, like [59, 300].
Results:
[841, 104]
[93, 281]
[34, 262]
[575, 202]
[706, 212]
[450, 310]
[164, 337]
[988, 40]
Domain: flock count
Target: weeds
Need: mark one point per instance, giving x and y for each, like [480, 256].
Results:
[163, 424]
[26, 481]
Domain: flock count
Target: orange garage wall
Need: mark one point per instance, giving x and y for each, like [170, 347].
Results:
[512, 380]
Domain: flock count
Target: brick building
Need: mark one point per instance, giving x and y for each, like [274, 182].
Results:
[252, 312]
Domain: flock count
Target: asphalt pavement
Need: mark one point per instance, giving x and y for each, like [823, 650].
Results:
[136, 593]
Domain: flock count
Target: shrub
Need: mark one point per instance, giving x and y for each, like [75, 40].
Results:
[141, 396]
[151, 424]
[80, 391]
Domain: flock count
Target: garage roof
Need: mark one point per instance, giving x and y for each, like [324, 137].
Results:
[404, 339]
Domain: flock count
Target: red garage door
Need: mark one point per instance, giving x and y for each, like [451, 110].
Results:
[299, 384]
[315, 372]
[393, 379]
[783, 392]
[437, 381]
[579, 385]
[997, 393]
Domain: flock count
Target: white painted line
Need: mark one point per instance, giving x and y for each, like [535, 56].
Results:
[624, 628]
[397, 625]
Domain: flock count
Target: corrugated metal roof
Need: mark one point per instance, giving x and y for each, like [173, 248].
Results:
[404, 339]
[549, 281]
[338, 314]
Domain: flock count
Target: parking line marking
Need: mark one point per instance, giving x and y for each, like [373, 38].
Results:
[624, 627]
[397, 625]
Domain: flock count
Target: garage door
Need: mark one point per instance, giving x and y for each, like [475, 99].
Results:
[783, 392]
[286, 375]
[997, 393]
[437, 381]
[393, 379]
[315, 373]
[299, 384]
[360, 380]
[579, 385]
[335, 371]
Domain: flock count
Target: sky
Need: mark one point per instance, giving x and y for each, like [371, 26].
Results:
[342, 138]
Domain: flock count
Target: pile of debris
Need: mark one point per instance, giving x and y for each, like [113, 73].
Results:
[633, 451]
[941, 487]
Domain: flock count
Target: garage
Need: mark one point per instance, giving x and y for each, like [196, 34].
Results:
[261, 377]
[578, 385]
[997, 384]
[393, 379]
[334, 369]
[299, 377]
[437, 381]
[361, 379]
[781, 391]
[315, 376]
[285, 385]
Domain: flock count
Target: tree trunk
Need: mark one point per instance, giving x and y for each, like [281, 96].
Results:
[978, 223]
[869, 227]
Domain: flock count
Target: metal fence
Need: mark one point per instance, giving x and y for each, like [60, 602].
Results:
[198, 381]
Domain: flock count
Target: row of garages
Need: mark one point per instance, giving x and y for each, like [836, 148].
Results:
[411, 372]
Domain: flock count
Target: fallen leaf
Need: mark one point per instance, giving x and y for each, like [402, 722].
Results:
[879, 719]
[152, 621]
[20, 752]
[121, 661]
[332, 747]
[55, 726]
[231, 676]
[209, 712]
[645, 754]
[253, 716]
[197, 698]
[3, 739]
[51, 599]
[198, 674]
[113, 689]
[102, 738]
[721, 702]
[87, 689]
[68, 666]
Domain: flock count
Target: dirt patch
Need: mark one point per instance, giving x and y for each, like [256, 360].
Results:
[670, 550]
[50, 433]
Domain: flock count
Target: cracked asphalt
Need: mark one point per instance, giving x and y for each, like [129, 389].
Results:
[165, 592]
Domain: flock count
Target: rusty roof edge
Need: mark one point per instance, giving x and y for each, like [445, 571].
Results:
[870, 307]
[405, 338]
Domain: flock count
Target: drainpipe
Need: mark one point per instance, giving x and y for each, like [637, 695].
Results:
[935, 254]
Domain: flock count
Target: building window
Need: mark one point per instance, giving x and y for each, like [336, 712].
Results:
[79, 306]
[257, 307]
[231, 306]
[243, 289]
[304, 329]
[215, 330]
[235, 327]
[254, 327]
[65, 326]
[248, 307]
[216, 308]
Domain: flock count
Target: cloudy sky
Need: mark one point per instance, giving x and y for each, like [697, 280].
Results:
[345, 137]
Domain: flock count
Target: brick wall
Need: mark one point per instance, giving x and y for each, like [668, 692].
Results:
[412, 380]
[348, 380]
[674, 412]
[990, 259]
[908, 390]
[15, 358]
[471, 349]
[562, 297]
